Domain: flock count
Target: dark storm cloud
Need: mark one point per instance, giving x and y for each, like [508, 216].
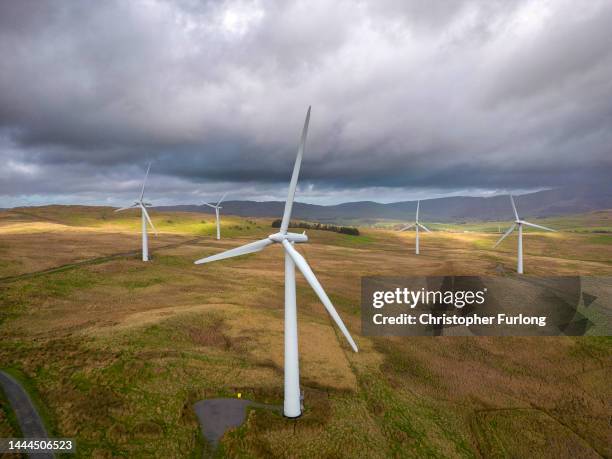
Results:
[407, 95]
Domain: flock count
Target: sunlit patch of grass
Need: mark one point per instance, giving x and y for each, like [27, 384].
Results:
[188, 223]
[355, 241]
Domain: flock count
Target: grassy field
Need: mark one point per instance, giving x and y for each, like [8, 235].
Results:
[599, 222]
[118, 351]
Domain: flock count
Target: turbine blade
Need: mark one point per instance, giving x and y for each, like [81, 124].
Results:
[407, 227]
[302, 265]
[424, 227]
[505, 234]
[222, 198]
[145, 181]
[126, 208]
[146, 214]
[256, 246]
[417, 212]
[514, 207]
[210, 205]
[539, 226]
[294, 177]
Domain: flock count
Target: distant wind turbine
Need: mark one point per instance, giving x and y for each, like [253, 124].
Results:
[217, 207]
[416, 225]
[518, 222]
[292, 404]
[145, 217]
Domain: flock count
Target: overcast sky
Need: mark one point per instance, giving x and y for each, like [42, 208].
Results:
[410, 99]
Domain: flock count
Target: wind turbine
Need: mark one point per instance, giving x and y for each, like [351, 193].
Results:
[292, 403]
[518, 222]
[217, 207]
[416, 225]
[144, 216]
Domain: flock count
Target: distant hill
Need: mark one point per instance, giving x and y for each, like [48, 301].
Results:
[555, 202]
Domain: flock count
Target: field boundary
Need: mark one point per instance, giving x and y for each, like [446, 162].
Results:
[90, 261]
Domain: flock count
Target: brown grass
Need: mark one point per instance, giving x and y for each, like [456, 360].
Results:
[120, 350]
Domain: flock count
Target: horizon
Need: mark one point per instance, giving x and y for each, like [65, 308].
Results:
[297, 201]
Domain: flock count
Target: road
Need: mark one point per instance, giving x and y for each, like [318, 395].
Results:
[29, 420]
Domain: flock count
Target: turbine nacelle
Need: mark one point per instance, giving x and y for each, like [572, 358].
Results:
[141, 204]
[291, 237]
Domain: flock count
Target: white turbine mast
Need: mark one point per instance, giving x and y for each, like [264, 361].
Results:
[416, 226]
[292, 403]
[144, 216]
[217, 208]
[519, 223]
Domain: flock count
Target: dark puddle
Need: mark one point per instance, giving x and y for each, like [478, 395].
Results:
[218, 415]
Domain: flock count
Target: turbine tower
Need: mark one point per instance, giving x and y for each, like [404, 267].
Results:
[217, 207]
[416, 225]
[144, 216]
[519, 223]
[292, 403]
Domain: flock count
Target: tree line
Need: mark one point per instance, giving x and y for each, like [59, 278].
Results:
[318, 226]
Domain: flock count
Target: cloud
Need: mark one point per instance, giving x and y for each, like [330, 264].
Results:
[409, 97]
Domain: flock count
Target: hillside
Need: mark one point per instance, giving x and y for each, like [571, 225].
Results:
[547, 203]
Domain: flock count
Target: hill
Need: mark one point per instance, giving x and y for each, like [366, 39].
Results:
[547, 203]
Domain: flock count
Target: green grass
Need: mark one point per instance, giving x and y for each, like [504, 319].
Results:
[345, 240]
[192, 223]
[9, 426]
[593, 222]
[142, 283]
[60, 284]
[605, 239]
[519, 432]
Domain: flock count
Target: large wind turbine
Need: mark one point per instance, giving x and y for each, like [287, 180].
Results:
[217, 207]
[416, 225]
[518, 222]
[292, 405]
[145, 217]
